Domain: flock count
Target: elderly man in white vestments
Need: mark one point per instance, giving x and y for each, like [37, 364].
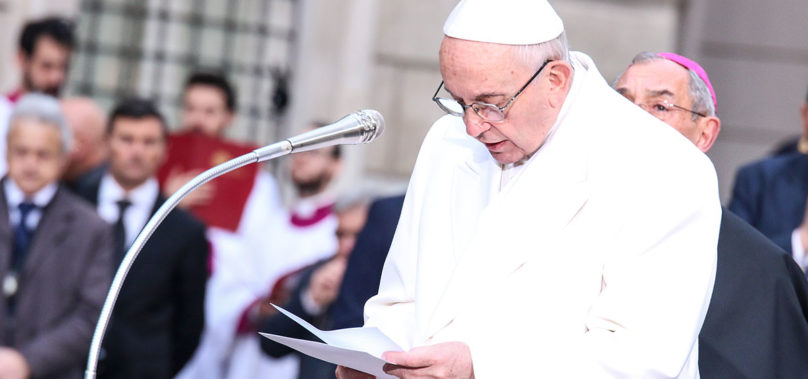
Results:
[551, 228]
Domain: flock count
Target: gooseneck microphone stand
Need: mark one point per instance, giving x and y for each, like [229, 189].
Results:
[270, 152]
[359, 127]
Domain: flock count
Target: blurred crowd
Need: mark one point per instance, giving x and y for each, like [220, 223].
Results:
[80, 183]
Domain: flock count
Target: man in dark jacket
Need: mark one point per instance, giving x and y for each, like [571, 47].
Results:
[158, 317]
[54, 252]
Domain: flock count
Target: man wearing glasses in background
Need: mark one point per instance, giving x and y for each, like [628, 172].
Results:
[756, 324]
[551, 228]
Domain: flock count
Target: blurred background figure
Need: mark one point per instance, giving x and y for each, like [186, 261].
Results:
[310, 291]
[158, 317]
[54, 252]
[242, 211]
[364, 270]
[43, 56]
[306, 235]
[87, 159]
[288, 62]
[752, 272]
[771, 195]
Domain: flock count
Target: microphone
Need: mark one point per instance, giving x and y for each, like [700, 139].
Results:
[359, 127]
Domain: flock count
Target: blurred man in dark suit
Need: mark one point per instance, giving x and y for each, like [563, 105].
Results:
[158, 318]
[54, 254]
[771, 195]
[237, 209]
[757, 322]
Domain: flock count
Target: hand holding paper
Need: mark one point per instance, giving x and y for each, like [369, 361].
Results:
[448, 360]
[358, 348]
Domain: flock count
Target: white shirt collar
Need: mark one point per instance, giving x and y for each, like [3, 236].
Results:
[143, 195]
[15, 196]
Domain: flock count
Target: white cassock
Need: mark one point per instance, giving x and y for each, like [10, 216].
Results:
[5, 113]
[596, 259]
[296, 246]
[235, 281]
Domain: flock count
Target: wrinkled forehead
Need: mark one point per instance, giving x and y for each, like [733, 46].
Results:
[456, 52]
[655, 79]
[30, 130]
[470, 66]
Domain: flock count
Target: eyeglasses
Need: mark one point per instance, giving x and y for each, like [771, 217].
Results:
[662, 109]
[488, 112]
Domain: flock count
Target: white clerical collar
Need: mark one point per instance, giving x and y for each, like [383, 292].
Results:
[143, 195]
[15, 196]
[512, 170]
[308, 206]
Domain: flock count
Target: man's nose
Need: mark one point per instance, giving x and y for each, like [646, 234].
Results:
[57, 75]
[475, 125]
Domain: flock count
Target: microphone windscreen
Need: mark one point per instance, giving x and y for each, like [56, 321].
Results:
[376, 120]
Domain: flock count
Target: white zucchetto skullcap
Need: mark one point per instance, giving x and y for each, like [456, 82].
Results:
[510, 22]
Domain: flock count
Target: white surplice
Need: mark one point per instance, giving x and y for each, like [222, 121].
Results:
[596, 259]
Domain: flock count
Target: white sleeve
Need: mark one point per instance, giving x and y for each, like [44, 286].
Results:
[392, 310]
[797, 252]
[5, 113]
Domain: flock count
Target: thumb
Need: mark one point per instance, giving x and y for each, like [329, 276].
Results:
[410, 358]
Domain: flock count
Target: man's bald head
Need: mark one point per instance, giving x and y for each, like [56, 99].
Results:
[88, 122]
[674, 94]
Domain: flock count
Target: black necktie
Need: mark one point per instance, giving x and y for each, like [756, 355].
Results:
[22, 241]
[120, 233]
[22, 234]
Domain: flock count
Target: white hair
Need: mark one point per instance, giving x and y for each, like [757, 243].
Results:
[45, 109]
[700, 97]
[536, 54]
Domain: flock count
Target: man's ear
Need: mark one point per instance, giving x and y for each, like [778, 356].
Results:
[710, 128]
[22, 59]
[230, 117]
[559, 78]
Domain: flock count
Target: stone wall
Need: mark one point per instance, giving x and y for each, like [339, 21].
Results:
[756, 54]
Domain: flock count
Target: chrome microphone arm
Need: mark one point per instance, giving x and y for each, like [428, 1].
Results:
[259, 155]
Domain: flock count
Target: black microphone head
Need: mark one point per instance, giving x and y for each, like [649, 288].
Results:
[373, 122]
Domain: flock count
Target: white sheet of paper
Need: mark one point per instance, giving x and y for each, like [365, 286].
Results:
[370, 340]
[357, 360]
[358, 348]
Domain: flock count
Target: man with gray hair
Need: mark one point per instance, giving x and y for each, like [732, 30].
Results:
[756, 324]
[546, 231]
[54, 251]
